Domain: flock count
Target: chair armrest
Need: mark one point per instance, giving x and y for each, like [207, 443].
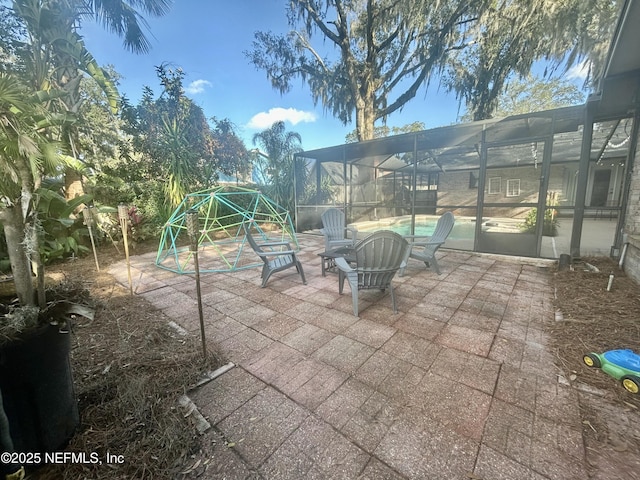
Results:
[353, 230]
[275, 244]
[282, 252]
[407, 237]
[343, 265]
[424, 244]
[414, 240]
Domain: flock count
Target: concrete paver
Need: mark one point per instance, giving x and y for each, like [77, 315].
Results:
[459, 384]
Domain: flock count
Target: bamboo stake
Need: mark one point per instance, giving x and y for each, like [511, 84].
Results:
[88, 221]
[123, 215]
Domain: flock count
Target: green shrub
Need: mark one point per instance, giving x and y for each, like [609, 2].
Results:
[147, 209]
[63, 234]
[550, 222]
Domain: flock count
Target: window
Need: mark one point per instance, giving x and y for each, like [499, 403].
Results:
[473, 180]
[513, 187]
[495, 185]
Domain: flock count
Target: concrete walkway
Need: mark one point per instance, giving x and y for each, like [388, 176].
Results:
[460, 384]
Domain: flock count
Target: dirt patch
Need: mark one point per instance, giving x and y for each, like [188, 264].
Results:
[130, 367]
[597, 320]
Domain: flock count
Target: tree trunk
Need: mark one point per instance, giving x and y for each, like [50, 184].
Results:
[20, 266]
[37, 264]
[72, 184]
[365, 124]
[365, 120]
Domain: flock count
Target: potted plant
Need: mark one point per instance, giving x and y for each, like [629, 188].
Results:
[36, 383]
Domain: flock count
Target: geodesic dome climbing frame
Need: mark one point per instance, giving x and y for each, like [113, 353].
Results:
[221, 241]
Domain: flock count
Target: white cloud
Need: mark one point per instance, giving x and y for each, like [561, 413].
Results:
[578, 72]
[264, 120]
[197, 86]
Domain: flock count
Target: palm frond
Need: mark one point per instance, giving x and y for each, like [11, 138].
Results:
[121, 18]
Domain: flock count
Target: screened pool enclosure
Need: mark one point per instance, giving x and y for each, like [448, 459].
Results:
[537, 185]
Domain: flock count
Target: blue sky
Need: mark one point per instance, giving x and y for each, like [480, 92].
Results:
[207, 40]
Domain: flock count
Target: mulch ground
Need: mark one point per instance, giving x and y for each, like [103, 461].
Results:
[595, 319]
[130, 368]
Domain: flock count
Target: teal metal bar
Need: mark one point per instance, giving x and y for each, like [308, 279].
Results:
[223, 211]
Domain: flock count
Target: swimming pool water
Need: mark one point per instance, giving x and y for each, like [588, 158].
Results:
[462, 230]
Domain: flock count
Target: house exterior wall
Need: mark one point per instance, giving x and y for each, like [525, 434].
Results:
[455, 188]
[632, 223]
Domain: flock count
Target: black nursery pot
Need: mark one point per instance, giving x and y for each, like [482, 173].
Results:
[37, 388]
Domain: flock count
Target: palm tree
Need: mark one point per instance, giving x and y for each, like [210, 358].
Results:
[38, 95]
[123, 18]
[54, 23]
[25, 154]
[42, 92]
[279, 147]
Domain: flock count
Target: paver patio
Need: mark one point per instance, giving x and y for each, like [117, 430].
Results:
[459, 384]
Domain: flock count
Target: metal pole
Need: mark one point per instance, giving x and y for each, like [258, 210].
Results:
[123, 215]
[88, 221]
[414, 184]
[583, 177]
[192, 222]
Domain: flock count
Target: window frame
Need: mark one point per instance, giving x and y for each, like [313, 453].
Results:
[511, 182]
[491, 183]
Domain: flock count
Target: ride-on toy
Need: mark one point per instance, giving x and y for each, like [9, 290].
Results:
[623, 365]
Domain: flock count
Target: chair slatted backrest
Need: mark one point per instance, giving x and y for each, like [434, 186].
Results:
[443, 226]
[247, 231]
[278, 257]
[378, 258]
[333, 224]
[443, 229]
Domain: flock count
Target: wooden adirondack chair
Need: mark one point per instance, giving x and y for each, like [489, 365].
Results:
[335, 231]
[377, 259]
[424, 248]
[275, 259]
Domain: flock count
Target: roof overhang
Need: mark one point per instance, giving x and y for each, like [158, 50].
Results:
[623, 51]
[619, 86]
[383, 153]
